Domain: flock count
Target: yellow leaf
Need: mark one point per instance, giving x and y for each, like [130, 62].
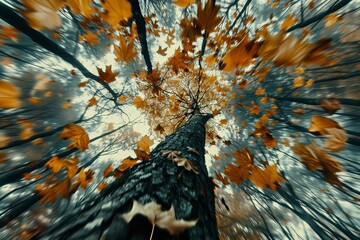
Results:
[126, 164]
[80, 139]
[116, 10]
[145, 143]
[9, 95]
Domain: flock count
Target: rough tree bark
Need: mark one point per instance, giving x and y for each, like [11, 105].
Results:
[157, 180]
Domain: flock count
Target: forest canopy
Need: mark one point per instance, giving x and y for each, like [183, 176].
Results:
[179, 119]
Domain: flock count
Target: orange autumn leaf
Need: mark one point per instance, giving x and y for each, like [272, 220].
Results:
[314, 158]
[122, 99]
[82, 84]
[107, 170]
[337, 139]
[108, 76]
[319, 125]
[90, 37]
[161, 51]
[92, 102]
[298, 82]
[101, 186]
[330, 105]
[289, 22]
[241, 55]
[80, 139]
[260, 91]
[236, 174]
[139, 102]
[72, 166]
[126, 164]
[55, 164]
[4, 139]
[220, 178]
[141, 155]
[42, 14]
[183, 3]
[331, 20]
[83, 7]
[84, 178]
[9, 33]
[9, 95]
[207, 16]
[116, 10]
[145, 143]
[244, 158]
[124, 52]
[266, 178]
[178, 60]
[210, 60]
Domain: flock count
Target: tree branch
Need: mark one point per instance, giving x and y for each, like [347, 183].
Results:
[12, 18]
[320, 16]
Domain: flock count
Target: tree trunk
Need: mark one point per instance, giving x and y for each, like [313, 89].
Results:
[157, 180]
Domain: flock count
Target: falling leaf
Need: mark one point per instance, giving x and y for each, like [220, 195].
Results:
[83, 7]
[298, 111]
[330, 105]
[139, 102]
[163, 219]
[267, 178]
[122, 99]
[260, 91]
[42, 14]
[124, 52]
[101, 186]
[80, 139]
[159, 128]
[178, 61]
[314, 158]
[126, 164]
[236, 174]
[298, 82]
[220, 178]
[82, 84]
[141, 155]
[55, 164]
[84, 178]
[92, 102]
[337, 139]
[183, 3]
[289, 22]
[145, 143]
[319, 125]
[89, 37]
[186, 163]
[331, 20]
[9, 95]
[116, 10]
[207, 16]
[162, 51]
[107, 171]
[244, 158]
[108, 76]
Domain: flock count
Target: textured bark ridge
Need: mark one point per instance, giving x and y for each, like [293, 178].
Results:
[158, 180]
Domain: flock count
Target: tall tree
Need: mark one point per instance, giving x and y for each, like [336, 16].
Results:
[253, 104]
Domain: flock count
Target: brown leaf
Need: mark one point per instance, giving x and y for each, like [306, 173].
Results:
[337, 139]
[319, 125]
